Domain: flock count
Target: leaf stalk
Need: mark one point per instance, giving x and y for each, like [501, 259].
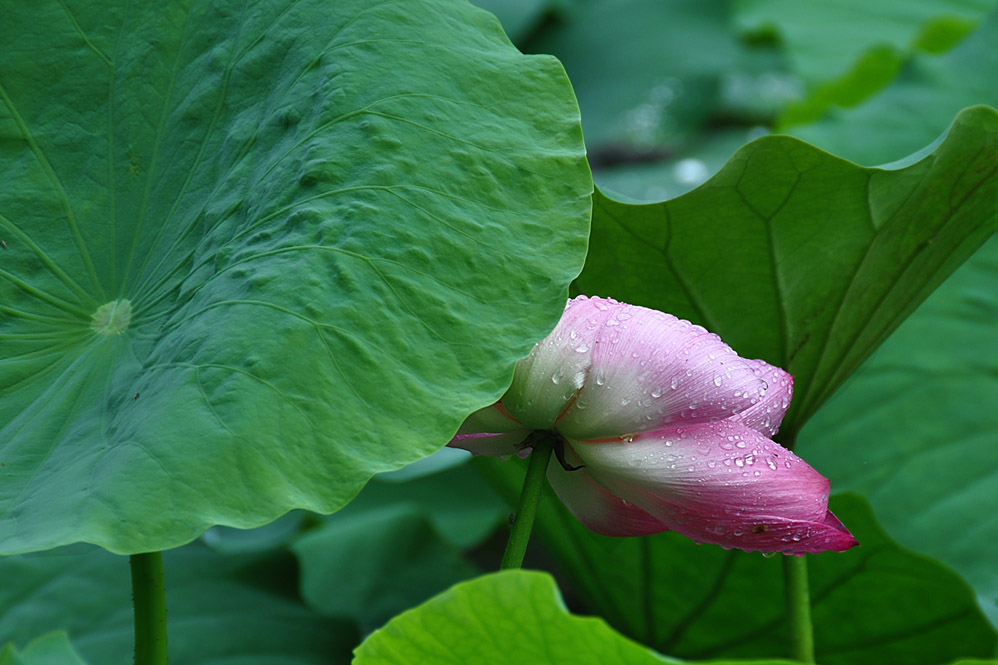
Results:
[149, 597]
[530, 495]
[798, 598]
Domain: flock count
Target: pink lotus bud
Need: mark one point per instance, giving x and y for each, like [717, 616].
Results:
[662, 426]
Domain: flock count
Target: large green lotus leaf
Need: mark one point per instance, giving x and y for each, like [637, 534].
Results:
[51, 649]
[800, 258]
[908, 113]
[256, 254]
[915, 428]
[874, 604]
[223, 610]
[372, 564]
[507, 618]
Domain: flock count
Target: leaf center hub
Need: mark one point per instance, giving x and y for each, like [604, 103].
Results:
[112, 318]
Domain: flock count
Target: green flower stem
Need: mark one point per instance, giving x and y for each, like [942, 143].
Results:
[516, 546]
[149, 596]
[798, 594]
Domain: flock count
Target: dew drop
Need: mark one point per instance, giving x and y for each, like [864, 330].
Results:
[718, 380]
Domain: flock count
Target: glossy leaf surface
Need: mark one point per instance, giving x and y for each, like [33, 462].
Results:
[506, 618]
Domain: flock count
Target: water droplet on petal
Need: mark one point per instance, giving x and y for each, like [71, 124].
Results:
[718, 380]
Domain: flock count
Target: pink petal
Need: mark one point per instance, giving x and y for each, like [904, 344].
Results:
[594, 506]
[547, 381]
[643, 370]
[491, 445]
[492, 419]
[767, 413]
[721, 483]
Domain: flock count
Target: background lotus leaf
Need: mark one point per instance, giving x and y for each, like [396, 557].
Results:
[800, 258]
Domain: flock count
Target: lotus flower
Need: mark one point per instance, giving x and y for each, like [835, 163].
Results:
[660, 425]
